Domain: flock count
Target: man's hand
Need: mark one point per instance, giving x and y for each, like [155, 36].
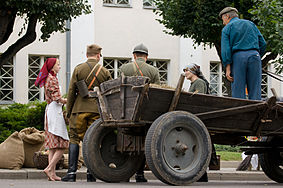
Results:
[228, 73]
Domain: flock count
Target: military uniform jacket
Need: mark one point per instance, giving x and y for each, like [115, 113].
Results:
[75, 102]
[130, 69]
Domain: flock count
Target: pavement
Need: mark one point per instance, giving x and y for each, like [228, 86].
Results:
[227, 172]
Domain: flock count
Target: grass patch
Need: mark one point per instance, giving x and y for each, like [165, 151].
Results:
[229, 156]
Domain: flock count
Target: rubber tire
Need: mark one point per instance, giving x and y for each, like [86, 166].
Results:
[270, 162]
[97, 155]
[154, 148]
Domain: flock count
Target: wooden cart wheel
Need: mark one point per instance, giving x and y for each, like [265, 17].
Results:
[178, 148]
[101, 157]
[272, 162]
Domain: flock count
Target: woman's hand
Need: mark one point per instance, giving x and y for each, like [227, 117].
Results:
[63, 101]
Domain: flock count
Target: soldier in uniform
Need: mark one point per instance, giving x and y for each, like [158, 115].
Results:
[140, 68]
[83, 111]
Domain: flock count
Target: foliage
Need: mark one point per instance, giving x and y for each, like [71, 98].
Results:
[19, 116]
[51, 14]
[269, 16]
[227, 148]
[197, 19]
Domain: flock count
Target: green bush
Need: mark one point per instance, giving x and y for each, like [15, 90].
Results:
[227, 148]
[18, 116]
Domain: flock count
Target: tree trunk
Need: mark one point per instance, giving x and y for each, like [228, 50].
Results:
[28, 38]
[7, 20]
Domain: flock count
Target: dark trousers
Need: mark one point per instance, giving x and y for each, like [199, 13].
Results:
[246, 71]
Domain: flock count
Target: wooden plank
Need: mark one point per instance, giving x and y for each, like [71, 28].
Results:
[231, 111]
[177, 93]
[257, 124]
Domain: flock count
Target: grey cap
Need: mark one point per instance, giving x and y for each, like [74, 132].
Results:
[226, 10]
[141, 48]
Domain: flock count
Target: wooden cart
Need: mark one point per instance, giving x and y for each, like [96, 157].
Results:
[175, 130]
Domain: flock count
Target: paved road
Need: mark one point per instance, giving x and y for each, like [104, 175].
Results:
[153, 183]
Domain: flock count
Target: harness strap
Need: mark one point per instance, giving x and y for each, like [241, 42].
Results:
[95, 77]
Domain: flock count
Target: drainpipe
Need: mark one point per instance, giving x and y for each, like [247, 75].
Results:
[68, 54]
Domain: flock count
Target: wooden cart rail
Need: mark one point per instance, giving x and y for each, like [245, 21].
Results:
[130, 101]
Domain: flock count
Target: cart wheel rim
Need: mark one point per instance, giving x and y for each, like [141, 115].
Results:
[181, 148]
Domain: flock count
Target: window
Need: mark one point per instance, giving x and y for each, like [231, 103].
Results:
[34, 65]
[121, 3]
[217, 85]
[113, 65]
[162, 66]
[217, 76]
[149, 4]
[7, 82]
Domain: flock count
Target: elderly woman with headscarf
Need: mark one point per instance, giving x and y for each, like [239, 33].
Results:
[198, 83]
[56, 135]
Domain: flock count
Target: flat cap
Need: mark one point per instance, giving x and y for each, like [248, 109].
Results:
[93, 49]
[226, 10]
[141, 48]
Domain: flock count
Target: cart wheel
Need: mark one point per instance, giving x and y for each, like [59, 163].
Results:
[101, 157]
[178, 148]
[272, 162]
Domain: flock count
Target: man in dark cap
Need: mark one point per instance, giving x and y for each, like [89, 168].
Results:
[139, 67]
[83, 111]
[242, 47]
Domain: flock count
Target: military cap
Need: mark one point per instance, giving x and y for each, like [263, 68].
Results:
[226, 10]
[141, 48]
[93, 49]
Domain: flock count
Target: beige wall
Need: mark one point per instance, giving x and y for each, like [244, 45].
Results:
[119, 30]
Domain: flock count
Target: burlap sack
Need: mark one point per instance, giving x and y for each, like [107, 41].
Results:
[12, 152]
[33, 140]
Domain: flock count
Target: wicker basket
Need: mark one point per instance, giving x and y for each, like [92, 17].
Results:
[41, 161]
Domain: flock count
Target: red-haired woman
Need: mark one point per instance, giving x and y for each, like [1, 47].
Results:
[56, 135]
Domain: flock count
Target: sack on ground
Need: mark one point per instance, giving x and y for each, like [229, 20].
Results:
[33, 140]
[12, 152]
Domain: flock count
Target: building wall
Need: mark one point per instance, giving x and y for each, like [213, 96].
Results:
[56, 45]
[118, 30]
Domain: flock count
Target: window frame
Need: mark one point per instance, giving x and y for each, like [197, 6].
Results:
[149, 7]
[6, 102]
[115, 4]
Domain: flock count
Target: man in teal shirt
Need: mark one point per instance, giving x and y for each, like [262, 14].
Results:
[242, 47]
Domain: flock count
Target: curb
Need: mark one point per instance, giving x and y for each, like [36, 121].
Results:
[223, 174]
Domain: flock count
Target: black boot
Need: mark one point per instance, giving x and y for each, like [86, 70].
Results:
[90, 177]
[73, 163]
[140, 173]
[140, 178]
[204, 178]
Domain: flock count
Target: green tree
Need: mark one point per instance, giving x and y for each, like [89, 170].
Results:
[269, 16]
[51, 14]
[198, 19]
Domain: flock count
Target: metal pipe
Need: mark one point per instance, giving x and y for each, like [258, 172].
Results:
[68, 54]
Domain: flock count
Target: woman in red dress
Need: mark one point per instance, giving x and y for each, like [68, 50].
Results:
[56, 135]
